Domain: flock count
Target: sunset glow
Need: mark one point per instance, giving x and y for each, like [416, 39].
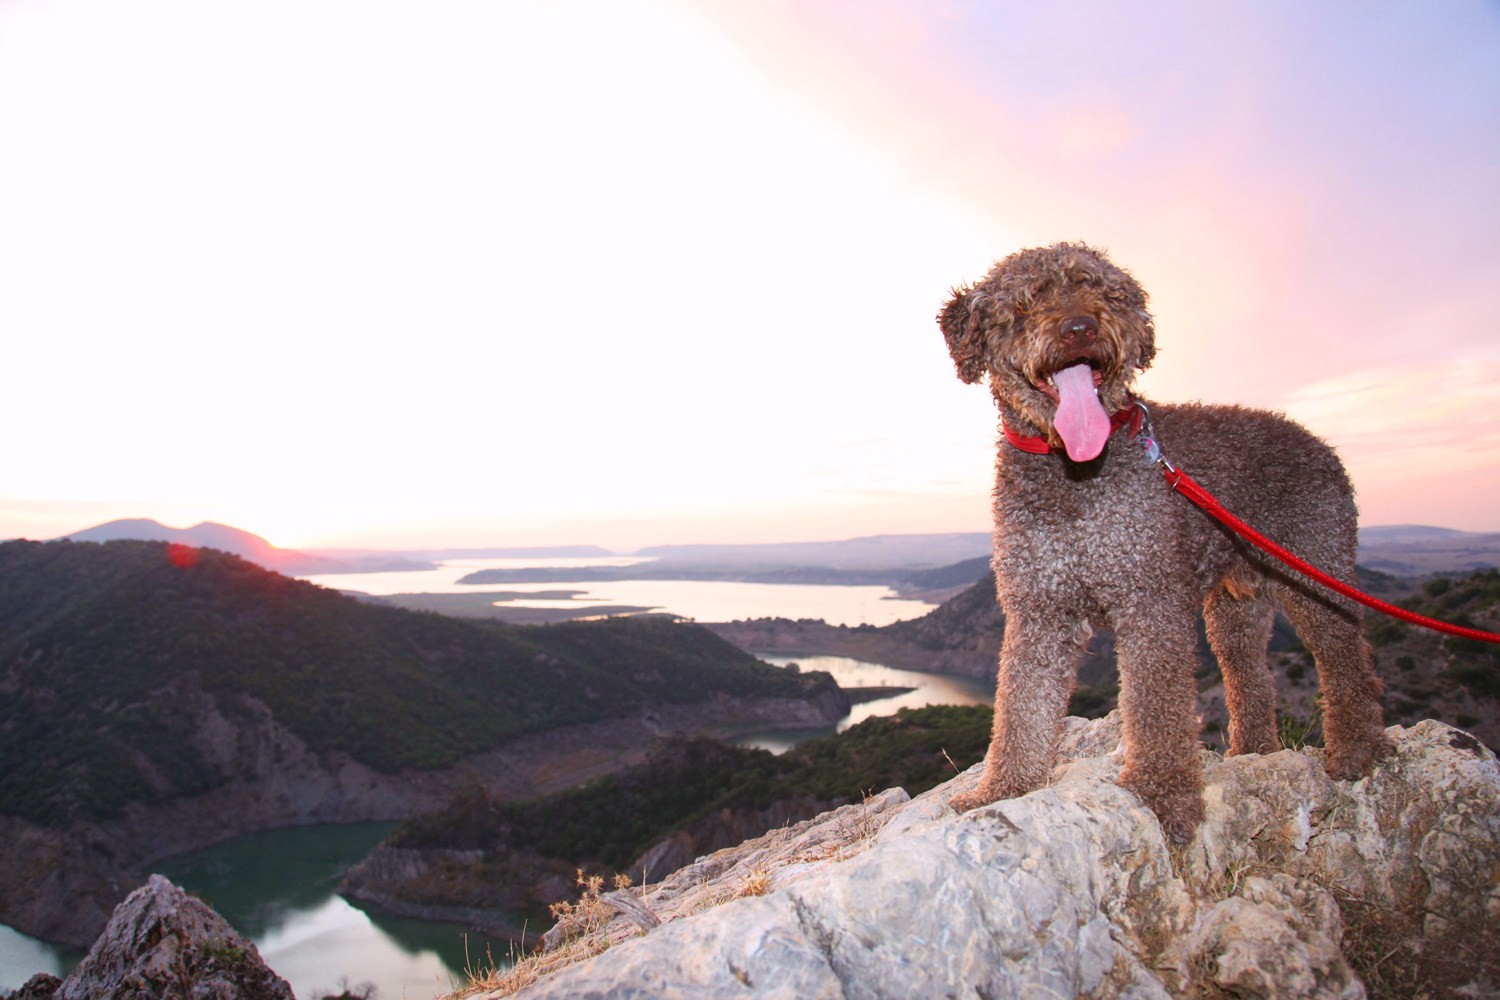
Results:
[394, 274]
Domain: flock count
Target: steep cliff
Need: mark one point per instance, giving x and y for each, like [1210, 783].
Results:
[1296, 886]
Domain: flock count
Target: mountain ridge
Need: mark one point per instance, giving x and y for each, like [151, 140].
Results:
[1401, 549]
[245, 544]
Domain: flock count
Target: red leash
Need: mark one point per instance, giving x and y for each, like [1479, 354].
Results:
[1188, 487]
[1138, 418]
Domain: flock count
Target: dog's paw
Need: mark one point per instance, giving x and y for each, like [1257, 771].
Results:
[964, 801]
[1180, 829]
[1175, 796]
[1350, 763]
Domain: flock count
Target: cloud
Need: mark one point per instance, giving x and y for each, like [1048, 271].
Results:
[1420, 441]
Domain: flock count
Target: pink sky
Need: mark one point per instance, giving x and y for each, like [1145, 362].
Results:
[398, 274]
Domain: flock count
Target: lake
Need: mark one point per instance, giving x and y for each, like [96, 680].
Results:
[700, 600]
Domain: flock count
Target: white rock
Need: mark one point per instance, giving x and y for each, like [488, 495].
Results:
[1072, 891]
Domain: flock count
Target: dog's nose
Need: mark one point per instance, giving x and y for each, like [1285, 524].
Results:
[1079, 331]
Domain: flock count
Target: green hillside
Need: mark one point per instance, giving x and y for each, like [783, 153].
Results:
[488, 854]
[613, 819]
[102, 647]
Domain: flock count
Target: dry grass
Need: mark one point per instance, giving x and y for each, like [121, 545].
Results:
[1386, 948]
[580, 930]
[757, 882]
[576, 925]
[590, 913]
[1297, 732]
[526, 970]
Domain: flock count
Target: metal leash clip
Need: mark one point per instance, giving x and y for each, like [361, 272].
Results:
[1147, 438]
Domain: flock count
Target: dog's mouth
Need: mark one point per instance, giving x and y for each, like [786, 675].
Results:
[1080, 419]
[1047, 385]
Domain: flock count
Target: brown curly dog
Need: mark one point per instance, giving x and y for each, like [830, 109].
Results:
[1089, 535]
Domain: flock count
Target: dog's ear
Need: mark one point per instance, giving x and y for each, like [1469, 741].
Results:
[964, 331]
[1148, 340]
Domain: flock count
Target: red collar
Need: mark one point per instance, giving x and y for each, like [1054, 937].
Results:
[1037, 445]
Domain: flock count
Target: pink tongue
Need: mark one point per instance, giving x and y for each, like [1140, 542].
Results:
[1081, 421]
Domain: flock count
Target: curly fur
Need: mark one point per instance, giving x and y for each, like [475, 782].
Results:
[1106, 544]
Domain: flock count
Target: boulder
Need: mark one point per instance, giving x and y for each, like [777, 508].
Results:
[162, 944]
[1296, 886]
[41, 986]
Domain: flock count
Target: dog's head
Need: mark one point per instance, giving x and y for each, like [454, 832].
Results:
[1060, 332]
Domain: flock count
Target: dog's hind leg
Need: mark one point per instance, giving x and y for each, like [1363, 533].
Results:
[1239, 621]
[1038, 668]
[1353, 723]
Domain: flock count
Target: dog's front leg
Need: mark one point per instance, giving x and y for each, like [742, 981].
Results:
[1159, 712]
[1038, 664]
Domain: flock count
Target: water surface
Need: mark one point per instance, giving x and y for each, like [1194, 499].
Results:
[927, 689]
[279, 889]
[699, 600]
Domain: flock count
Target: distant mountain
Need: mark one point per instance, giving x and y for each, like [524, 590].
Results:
[874, 552]
[236, 541]
[962, 574]
[206, 534]
[442, 555]
[909, 563]
[1418, 550]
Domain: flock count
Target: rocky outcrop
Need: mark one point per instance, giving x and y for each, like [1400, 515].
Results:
[1296, 886]
[162, 944]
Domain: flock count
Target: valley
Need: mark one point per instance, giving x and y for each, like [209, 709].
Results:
[199, 702]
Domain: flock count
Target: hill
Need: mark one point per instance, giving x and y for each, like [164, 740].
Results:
[96, 633]
[155, 698]
[246, 545]
[1417, 550]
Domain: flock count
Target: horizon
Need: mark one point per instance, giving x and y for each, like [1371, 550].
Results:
[614, 552]
[394, 275]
